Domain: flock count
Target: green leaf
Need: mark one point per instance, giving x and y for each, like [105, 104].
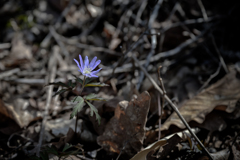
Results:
[78, 99]
[52, 150]
[98, 84]
[44, 155]
[88, 80]
[91, 96]
[66, 147]
[71, 84]
[97, 99]
[60, 91]
[77, 107]
[94, 109]
[78, 79]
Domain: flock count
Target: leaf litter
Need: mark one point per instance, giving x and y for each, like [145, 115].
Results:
[194, 43]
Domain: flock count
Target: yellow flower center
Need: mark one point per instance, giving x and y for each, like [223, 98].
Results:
[87, 70]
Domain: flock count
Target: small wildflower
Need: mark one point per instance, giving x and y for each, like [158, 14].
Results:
[87, 69]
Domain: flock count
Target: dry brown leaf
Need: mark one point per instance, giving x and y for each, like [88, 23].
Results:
[221, 155]
[106, 111]
[223, 95]
[9, 120]
[236, 151]
[126, 128]
[152, 147]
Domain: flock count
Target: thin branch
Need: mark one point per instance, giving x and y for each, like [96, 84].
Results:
[47, 39]
[53, 68]
[60, 43]
[5, 45]
[210, 78]
[94, 24]
[174, 107]
[160, 109]
[140, 11]
[153, 40]
[204, 13]
[219, 55]
[88, 47]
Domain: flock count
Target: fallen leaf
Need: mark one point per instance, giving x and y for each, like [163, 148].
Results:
[223, 95]
[9, 121]
[221, 155]
[152, 147]
[106, 112]
[126, 128]
[236, 151]
[20, 52]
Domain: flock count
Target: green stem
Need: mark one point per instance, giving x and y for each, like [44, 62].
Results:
[83, 84]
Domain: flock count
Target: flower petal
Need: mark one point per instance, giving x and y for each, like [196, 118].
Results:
[93, 62]
[78, 65]
[94, 75]
[96, 64]
[88, 75]
[81, 62]
[95, 72]
[86, 61]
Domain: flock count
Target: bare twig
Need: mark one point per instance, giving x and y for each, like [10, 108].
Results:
[131, 48]
[219, 55]
[160, 110]
[47, 39]
[5, 45]
[52, 67]
[94, 24]
[177, 49]
[60, 43]
[152, 52]
[210, 78]
[188, 22]
[172, 105]
[204, 13]
[153, 40]
[88, 47]
[140, 11]
[9, 73]
[168, 53]
[205, 16]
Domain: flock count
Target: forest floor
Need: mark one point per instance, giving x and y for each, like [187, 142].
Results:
[169, 85]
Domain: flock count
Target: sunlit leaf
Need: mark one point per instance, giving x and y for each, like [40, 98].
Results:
[97, 84]
[94, 109]
[77, 107]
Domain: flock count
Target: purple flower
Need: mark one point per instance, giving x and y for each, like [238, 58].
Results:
[87, 69]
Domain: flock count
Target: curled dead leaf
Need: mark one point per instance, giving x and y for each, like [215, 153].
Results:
[126, 128]
[223, 95]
